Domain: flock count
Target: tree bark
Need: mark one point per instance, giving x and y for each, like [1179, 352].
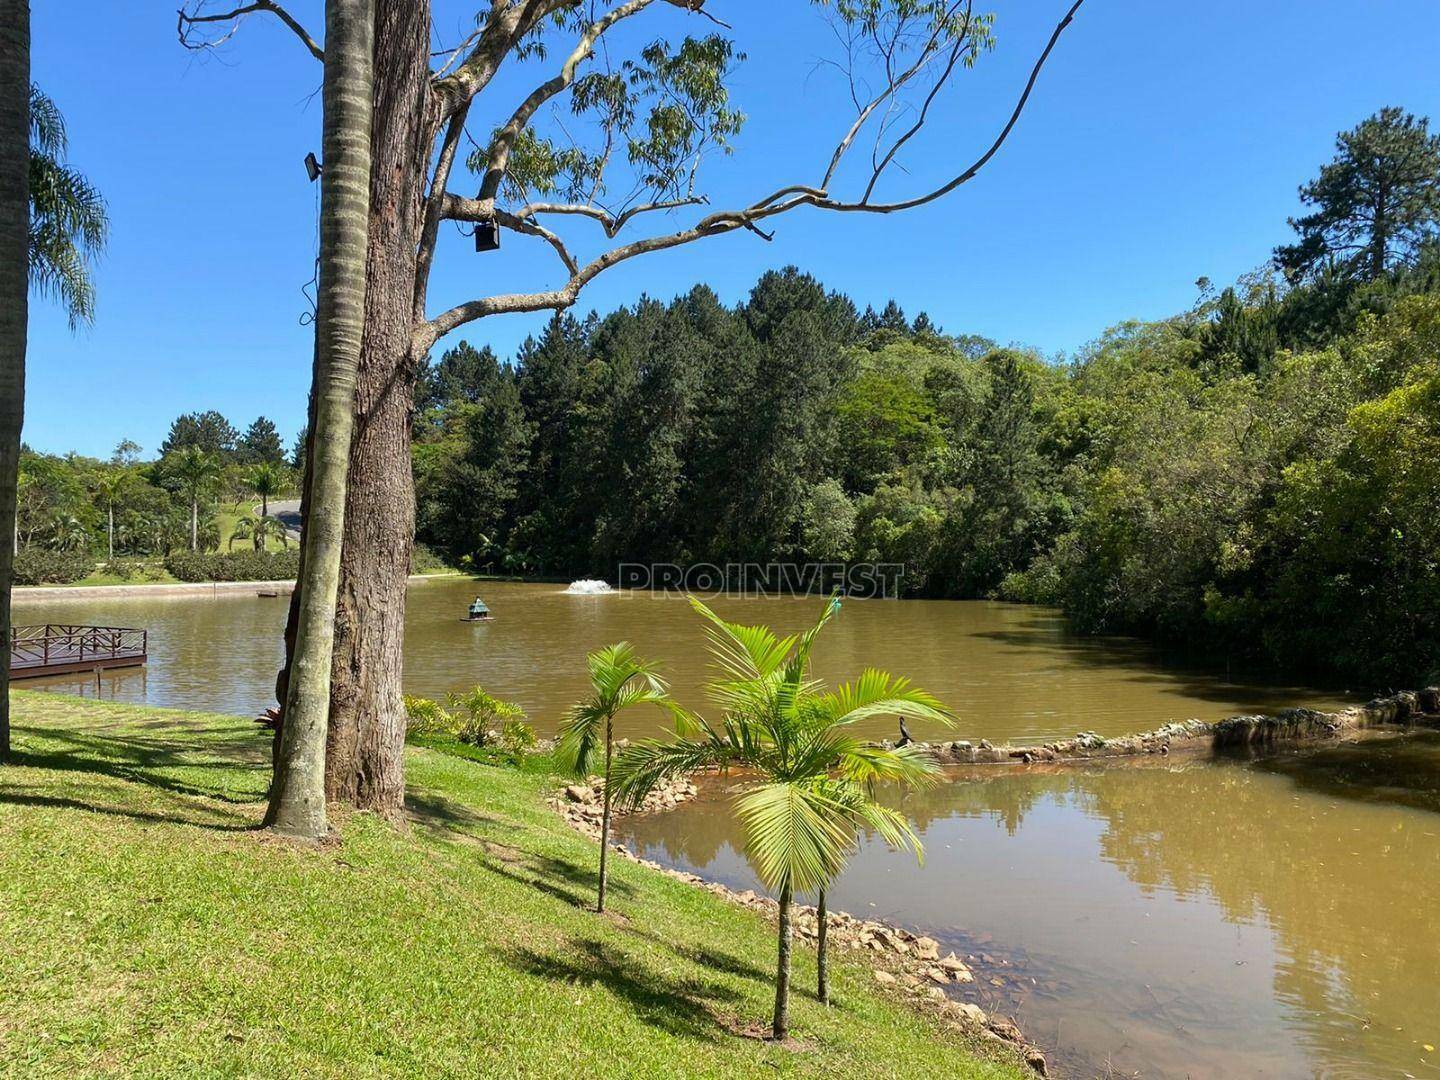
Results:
[195, 524]
[365, 754]
[14, 300]
[822, 974]
[297, 797]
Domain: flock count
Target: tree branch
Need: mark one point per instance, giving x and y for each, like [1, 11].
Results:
[187, 22]
[980, 162]
[504, 141]
[458, 208]
[779, 202]
[612, 224]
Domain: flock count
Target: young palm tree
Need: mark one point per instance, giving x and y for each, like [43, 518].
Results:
[196, 472]
[618, 680]
[111, 486]
[265, 480]
[814, 785]
[258, 530]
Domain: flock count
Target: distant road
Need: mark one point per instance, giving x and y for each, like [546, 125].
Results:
[288, 511]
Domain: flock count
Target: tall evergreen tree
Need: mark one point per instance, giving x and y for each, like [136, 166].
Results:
[260, 444]
[208, 431]
[1376, 204]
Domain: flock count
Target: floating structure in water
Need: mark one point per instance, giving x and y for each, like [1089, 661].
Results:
[478, 611]
[589, 587]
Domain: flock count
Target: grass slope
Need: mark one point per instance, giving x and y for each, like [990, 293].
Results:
[146, 929]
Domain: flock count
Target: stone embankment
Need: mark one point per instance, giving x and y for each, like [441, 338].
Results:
[902, 961]
[1405, 709]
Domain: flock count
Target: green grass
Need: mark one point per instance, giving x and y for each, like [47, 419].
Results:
[147, 929]
[228, 517]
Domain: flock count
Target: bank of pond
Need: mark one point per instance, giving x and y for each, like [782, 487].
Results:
[1178, 915]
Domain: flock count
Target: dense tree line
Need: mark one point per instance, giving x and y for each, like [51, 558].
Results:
[130, 506]
[1256, 477]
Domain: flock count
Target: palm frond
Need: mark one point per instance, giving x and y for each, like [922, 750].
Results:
[47, 124]
[793, 833]
[877, 693]
[743, 652]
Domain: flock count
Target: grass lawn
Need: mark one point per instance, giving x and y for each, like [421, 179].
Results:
[229, 516]
[147, 929]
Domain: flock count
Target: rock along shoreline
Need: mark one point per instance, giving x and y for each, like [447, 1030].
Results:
[1408, 708]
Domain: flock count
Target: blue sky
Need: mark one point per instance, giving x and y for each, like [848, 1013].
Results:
[1165, 141]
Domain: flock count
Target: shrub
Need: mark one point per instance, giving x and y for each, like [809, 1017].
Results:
[40, 566]
[474, 717]
[234, 565]
[426, 717]
[423, 560]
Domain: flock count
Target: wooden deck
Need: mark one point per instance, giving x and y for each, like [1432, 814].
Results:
[63, 649]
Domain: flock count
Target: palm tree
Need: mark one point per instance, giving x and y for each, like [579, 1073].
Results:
[68, 224]
[265, 480]
[814, 785]
[111, 486]
[297, 797]
[618, 680]
[258, 530]
[14, 297]
[196, 472]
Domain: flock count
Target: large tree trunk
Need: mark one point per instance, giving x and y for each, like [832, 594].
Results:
[14, 299]
[365, 756]
[297, 797]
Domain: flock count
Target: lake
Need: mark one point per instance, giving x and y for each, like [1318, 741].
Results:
[1011, 672]
[1226, 919]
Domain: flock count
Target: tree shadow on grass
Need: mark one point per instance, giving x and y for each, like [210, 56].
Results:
[564, 880]
[442, 816]
[684, 1007]
[151, 763]
[193, 814]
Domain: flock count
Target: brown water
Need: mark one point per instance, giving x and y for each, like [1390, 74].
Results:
[1011, 672]
[1279, 919]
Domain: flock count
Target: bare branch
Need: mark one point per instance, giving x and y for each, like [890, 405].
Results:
[434, 207]
[712, 225]
[980, 162]
[612, 224]
[895, 84]
[779, 202]
[458, 208]
[188, 21]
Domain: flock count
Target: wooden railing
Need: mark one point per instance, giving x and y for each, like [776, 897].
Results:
[74, 648]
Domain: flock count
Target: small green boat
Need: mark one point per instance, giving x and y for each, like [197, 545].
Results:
[478, 611]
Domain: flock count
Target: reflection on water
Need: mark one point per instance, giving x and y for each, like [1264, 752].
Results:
[1227, 919]
[1011, 672]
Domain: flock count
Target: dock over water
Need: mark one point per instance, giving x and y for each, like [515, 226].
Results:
[63, 649]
